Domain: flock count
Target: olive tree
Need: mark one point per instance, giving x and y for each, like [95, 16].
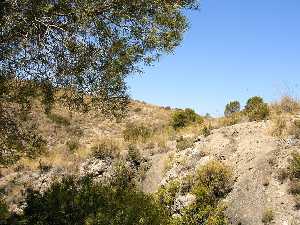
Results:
[78, 53]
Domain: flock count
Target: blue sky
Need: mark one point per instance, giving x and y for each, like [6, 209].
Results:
[233, 50]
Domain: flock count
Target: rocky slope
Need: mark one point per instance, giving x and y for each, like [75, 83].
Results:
[255, 157]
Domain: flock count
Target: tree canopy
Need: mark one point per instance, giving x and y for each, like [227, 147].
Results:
[79, 53]
[86, 46]
[232, 107]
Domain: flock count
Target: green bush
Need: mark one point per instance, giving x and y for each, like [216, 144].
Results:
[183, 118]
[137, 132]
[79, 202]
[106, 148]
[232, 107]
[166, 195]
[211, 183]
[256, 109]
[216, 177]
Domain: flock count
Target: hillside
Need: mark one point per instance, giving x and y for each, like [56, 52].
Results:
[252, 150]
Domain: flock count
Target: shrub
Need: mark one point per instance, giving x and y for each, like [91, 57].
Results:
[232, 107]
[295, 129]
[216, 177]
[206, 131]
[212, 182]
[134, 155]
[72, 145]
[294, 167]
[268, 216]
[106, 148]
[135, 132]
[183, 118]
[137, 110]
[206, 210]
[184, 143]
[59, 120]
[294, 187]
[4, 212]
[166, 195]
[282, 175]
[231, 119]
[256, 109]
[44, 167]
[82, 201]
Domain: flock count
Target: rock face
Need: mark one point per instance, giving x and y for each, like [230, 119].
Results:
[255, 157]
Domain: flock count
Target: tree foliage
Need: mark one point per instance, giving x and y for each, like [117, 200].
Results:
[79, 53]
[256, 109]
[86, 46]
[232, 107]
[183, 118]
[79, 202]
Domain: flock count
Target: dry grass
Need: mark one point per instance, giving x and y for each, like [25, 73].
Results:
[287, 104]
[280, 126]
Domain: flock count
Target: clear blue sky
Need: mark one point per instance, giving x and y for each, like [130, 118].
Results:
[234, 49]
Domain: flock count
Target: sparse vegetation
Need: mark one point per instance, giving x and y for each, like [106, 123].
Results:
[183, 118]
[256, 109]
[287, 104]
[231, 119]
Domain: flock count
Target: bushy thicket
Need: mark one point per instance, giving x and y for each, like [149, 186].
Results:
[256, 109]
[84, 202]
[210, 184]
[183, 118]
